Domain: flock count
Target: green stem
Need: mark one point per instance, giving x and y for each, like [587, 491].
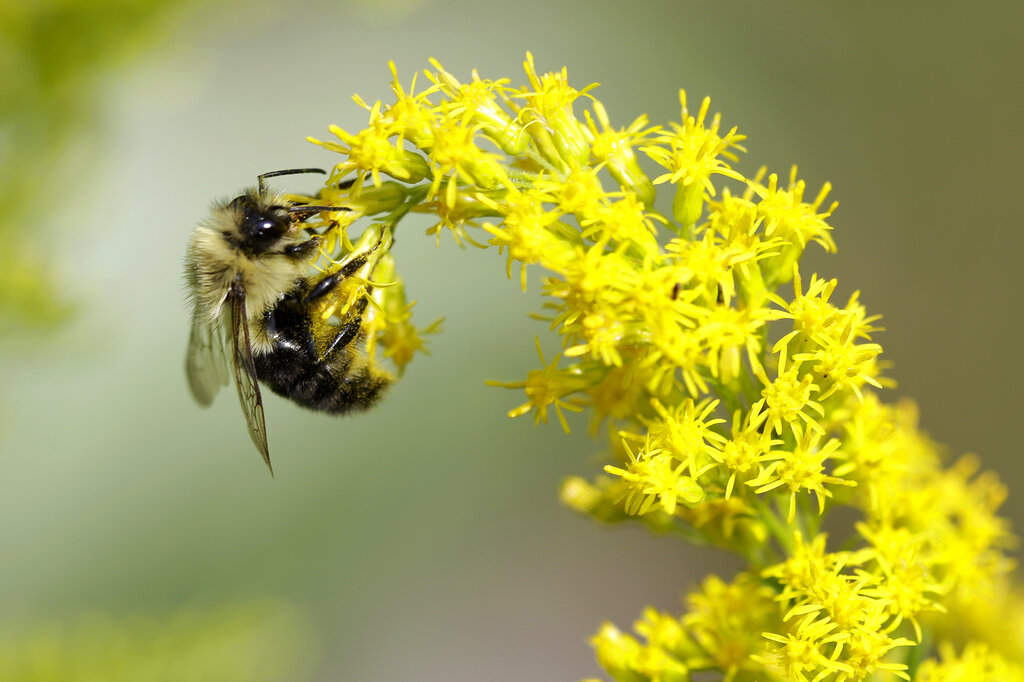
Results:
[919, 653]
[414, 196]
[782, 532]
[537, 158]
[811, 518]
[727, 397]
[520, 178]
[751, 390]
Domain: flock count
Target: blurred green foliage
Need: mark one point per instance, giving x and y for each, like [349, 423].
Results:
[53, 55]
[247, 643]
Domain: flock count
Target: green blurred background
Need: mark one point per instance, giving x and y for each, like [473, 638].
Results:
[424, 540]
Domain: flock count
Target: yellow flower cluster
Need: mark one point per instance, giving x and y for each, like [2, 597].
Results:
[730, 404]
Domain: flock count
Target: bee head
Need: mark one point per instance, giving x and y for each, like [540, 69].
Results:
[260, 226]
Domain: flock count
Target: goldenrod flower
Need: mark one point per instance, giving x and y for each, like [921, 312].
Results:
[727, 619]
[528, 231]
[802, 468]
[976, 663]
[546, 388]
[614, 149]
[618, 653]
[785, 212]
[480, 100]
[901, 560]
[455, 156]
[548, 116]
[745, 450]
[411, 116]
[786, 400]
[692, 153]
[372, 152]
[656, 476]
[671, 323]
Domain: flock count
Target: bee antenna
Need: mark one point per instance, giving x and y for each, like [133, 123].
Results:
[316, 209]
[289, 171]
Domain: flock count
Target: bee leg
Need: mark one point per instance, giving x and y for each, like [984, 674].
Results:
[349, 331]
[346, 336]
[304, 250]
[328, 283]
[352, 329]
[323, 287]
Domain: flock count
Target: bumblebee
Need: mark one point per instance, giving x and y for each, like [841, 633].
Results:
[253, 302]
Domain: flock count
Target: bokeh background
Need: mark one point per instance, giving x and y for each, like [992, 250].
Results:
[424, 540]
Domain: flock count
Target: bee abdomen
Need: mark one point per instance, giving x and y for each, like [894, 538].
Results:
[321, 386]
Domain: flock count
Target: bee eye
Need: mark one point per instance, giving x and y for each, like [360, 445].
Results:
[263, 228]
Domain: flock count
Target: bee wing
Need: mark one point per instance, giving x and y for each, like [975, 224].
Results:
[206, 362]
[245, 375]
